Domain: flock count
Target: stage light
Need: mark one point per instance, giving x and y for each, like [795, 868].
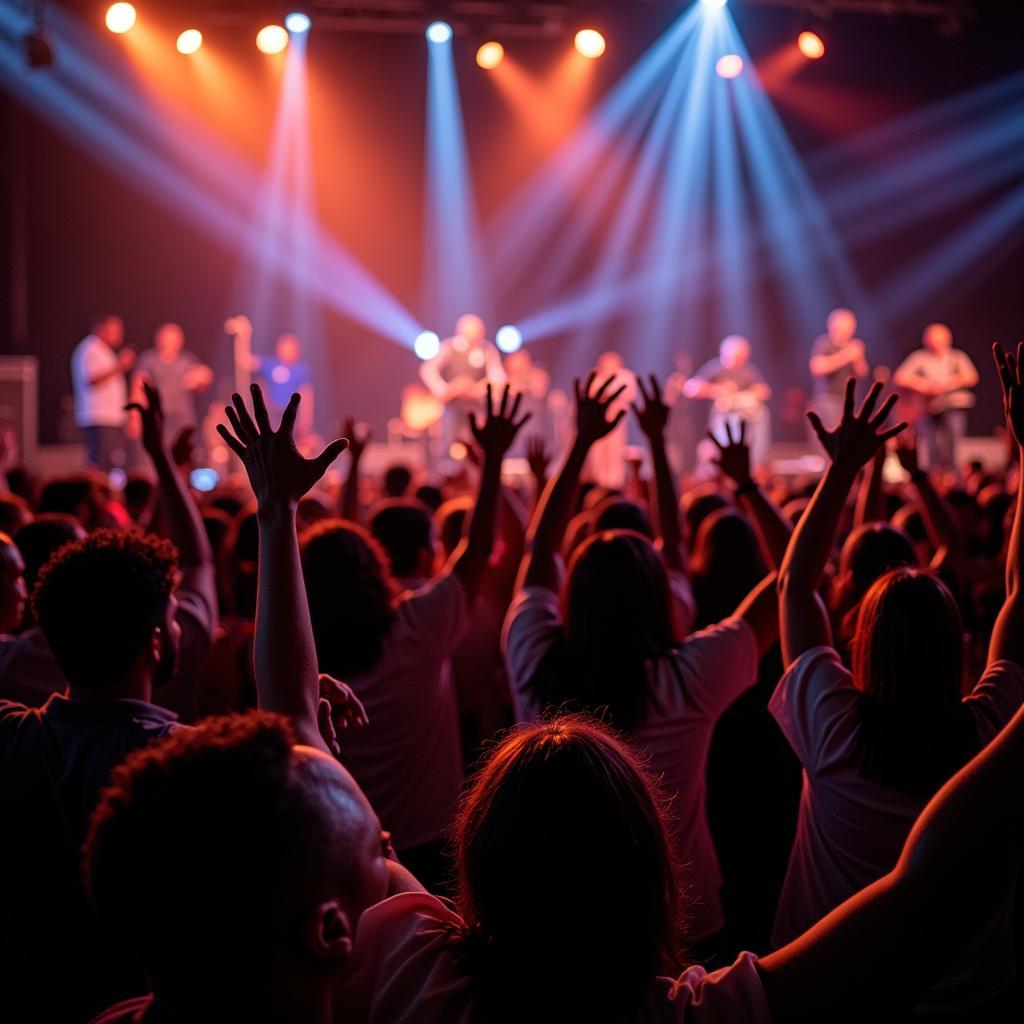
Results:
[120, 17]
[426, 345]
[271, 39]
[811, 45]
[508, 338]
[590, 43]
[714, 3]
[439, 32]
[189, 41]
[490, 55]
[729, 66]
[297, 23]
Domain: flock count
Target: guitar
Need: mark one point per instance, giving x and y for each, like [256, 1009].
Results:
[913, 405]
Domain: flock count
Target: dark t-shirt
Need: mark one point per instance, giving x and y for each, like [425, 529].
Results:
[831, 383]
[282, 380]
[177, 401]
[54, 763]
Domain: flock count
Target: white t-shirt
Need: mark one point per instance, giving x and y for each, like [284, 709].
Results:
[408, 760]
[851, 829]
[687, 693]
[99, 405]
[406, 971]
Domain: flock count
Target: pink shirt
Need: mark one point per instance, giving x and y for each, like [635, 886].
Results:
[406, 971]
[408, 760]
[851, 829]
[688, 691]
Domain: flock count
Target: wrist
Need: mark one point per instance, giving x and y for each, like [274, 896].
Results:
[275, 511]
[748, 486]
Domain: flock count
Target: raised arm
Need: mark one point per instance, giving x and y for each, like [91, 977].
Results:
[870, 506]
[494, 437]
[803, 623]
[773, 528]
[358, 439]
[540, 568]
[287, 680]
[1008, 633]
[879, 952]
[653, 418]
[538, 458]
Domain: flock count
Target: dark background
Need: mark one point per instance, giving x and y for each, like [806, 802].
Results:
[97, 240]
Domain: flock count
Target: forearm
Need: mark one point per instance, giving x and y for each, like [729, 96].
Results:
[470, 560]
[179, 515]
[871, 494]
[667, 505]
[811, 544]
[349, 504]
[941, 525]
[1015, 551]
[773, 528]
[105, 375]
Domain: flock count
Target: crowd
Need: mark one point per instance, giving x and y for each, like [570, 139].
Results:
[490, 750]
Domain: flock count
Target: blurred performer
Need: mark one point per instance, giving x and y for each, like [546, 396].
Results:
[682, 431]
[737, 391]
[177, 373]
[460, 372]
[98, 368]
[936, 381]
[608, 456]
[835, 356]
[283, 374]
[533, 382]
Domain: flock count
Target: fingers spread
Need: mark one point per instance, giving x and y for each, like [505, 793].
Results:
[259, 408]
[288, 417]
[231, 441]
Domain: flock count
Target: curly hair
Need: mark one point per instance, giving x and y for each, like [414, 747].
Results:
[98, 601]
[223, 815]
[350, 594]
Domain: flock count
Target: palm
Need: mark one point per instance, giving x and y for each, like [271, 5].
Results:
[653, 417]
[1011, 380]
[592, 407]
[734, 456]
[859, 435]
[499, 427]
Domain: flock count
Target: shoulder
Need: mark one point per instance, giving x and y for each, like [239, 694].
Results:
[732, 993]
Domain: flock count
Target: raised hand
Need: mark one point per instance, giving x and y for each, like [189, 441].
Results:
[538, 458]
[734, 455]
[151, 416]
[653, 417]
[906, 452]
[183, 448]
[592, 406]
[358, 437]
[859, 435]
[1011, 380]
[277, 470]
[495, 434]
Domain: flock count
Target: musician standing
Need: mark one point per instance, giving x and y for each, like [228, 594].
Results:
[836, 356]
[941, 377]
[738, 391]
[460, 372]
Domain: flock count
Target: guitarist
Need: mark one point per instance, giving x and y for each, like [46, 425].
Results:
[937, 381]
[460, 372]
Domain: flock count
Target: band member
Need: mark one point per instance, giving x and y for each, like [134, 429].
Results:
[608, 456]
[178, 374]
[936, 381]
[738, 391]
[98, 368]
[283, 374]
[460, 372]
[836, 356]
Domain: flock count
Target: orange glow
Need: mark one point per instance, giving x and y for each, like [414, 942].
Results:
[189, 41]
[780, 66]
[272, 39]
[590, 43]
[812, 46]
[490, 55]
[120, 18]
[729, 66]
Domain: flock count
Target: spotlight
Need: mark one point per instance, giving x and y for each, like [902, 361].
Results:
[508, 338]
[426, 345]
[38, 51]
[490, 55]
[120, 17]
[297, 23]
[811, 45]
[439, 32]
[729, 66]
[590, 43]
[189, 41]
[714, 3]
[271, 39]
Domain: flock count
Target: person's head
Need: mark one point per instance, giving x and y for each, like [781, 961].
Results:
[13, 592]
[291, 855]
[567, 883]
[138, 495]
[15, 512]
[937, 337]
[397, 480]
[518, 363]
[106, 606]
[608, 363]
[404, 528]
[870, 551]
[109, 329]
[288, 349]
[842, 325]
[450, 520]
[618, 513]
[470, 328]
[430, 495]
[350, 594]
[734, 351]
[169, 340]
[39, 540]
[908, 661]
[79, 495]
[697, 504]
